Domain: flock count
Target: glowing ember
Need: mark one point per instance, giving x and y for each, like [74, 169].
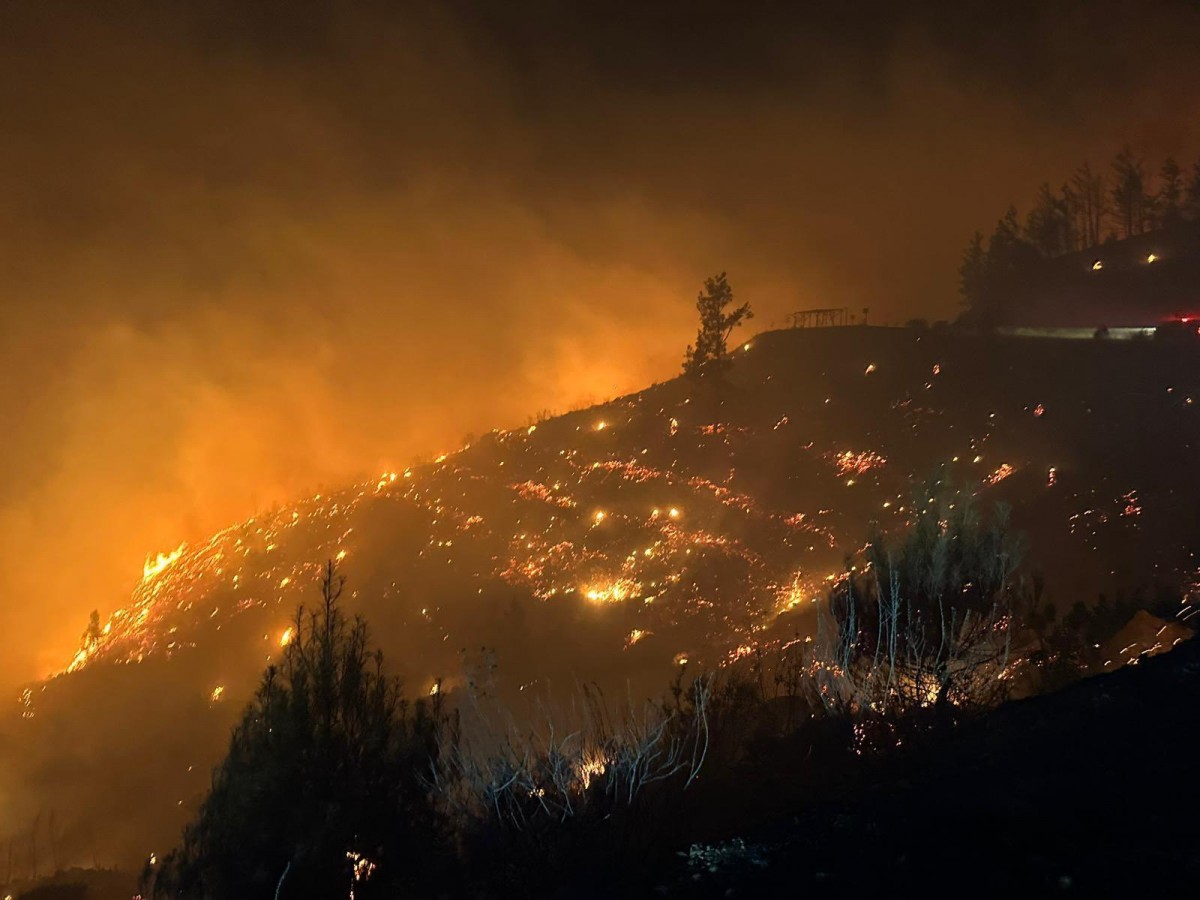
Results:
[361, 869]
[634, 636]
[850, 462]
[1000, 474]
[614, 592]
[1131, 506]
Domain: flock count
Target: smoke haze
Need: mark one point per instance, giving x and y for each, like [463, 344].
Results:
[248, 252]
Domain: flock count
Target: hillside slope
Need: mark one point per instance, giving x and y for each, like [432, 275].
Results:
[610, 544]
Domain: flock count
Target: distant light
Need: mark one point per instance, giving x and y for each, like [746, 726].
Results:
[600, 516]
[601, 425]
[870, 369]
[1097, 265]
[673, 512]
[1152, 257]
[286, 637]
[216, 693]
[746, 346]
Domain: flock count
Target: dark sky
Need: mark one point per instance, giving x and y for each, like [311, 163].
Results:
[253, 248]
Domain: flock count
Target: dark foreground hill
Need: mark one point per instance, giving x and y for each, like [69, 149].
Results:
[1087, 792]
[686, 522]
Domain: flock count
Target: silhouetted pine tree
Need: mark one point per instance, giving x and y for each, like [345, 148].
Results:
[1130, 202]
[1169, 200]
[326, 768]
[989, 277]
[929, 621]
[1087, 197]
[1049, 228]
[1191, 195]
[716, 325]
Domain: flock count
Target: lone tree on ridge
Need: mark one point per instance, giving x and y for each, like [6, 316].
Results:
[716, 325]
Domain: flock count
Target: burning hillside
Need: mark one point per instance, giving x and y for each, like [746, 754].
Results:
[691, 523]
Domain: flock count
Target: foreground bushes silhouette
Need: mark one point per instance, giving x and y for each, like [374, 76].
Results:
[584, 797]
[335, 786]
[323, 792]
[930, 622]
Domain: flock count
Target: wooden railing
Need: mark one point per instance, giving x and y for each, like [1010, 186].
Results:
[819, 318]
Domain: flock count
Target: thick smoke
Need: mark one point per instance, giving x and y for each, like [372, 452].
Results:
[250, 250]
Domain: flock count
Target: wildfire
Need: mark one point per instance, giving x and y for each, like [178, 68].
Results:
[613, 592]
[1000, 474]
[156, 565]
[592, 766]
[361, 869]
[634, 636]
[597, 521]
[849, 462]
